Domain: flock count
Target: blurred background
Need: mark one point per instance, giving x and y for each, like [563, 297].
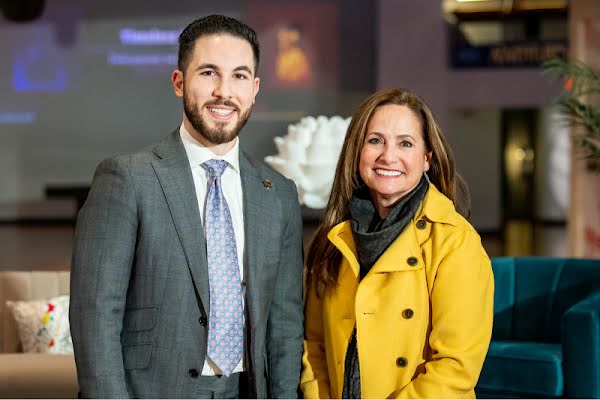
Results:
[82, 81]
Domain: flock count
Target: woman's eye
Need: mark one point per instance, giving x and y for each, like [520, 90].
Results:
[406, 143]
[374, 141]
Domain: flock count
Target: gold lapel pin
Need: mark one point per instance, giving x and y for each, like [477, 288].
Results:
[267, 184]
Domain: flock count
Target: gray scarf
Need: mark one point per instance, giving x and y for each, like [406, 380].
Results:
[372, 234]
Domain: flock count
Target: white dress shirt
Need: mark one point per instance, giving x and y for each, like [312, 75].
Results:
[231, 183]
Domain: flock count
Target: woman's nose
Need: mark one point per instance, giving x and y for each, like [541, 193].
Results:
[388, 154]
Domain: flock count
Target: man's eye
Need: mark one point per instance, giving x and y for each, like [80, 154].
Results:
[208, 73]
[241, 76]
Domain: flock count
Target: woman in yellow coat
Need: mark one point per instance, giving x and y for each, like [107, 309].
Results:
[400, 289]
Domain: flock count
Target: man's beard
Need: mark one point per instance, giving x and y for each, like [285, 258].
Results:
[219, 134]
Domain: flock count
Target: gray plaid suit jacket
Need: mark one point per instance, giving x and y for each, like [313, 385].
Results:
[139, 282]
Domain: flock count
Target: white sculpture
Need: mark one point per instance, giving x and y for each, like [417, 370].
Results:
[308, 155]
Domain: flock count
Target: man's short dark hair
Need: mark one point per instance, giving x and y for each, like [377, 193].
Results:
[214, 25]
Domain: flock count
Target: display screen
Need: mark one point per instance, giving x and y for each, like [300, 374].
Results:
[88, 80]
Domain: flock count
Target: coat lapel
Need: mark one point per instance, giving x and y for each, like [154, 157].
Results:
[175, 176]
[394, 258]
[255, 211]
[341, 237]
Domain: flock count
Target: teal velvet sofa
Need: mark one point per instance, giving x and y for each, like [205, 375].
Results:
[546, 335]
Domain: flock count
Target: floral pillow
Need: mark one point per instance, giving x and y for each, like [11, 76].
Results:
[43, 325]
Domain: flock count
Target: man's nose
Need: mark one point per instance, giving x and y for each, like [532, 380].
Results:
[223, 89]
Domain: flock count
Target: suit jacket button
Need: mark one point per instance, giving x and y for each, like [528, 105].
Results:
[421, 224]
[412, 261]
[203, 321]
[408, 313]
[193, 373]
[401, 362]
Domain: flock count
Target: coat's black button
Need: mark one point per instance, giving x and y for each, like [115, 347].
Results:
[193, 373]
[203, 321]
[401, 362]
[408, 313]
[412, 261]
[421, 224]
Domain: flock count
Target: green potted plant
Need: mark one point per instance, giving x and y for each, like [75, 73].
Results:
[581, 88]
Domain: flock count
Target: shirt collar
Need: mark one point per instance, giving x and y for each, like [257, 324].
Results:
[198, 153]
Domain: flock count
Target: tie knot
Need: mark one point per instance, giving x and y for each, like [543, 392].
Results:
[215, 168]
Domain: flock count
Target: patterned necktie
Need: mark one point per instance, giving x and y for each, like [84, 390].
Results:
[225, 328]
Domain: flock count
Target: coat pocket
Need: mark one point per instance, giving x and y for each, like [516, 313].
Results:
[137, 356]
[139, 319]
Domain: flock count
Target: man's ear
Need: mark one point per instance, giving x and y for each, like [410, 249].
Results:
[177, 80]
[256, 88]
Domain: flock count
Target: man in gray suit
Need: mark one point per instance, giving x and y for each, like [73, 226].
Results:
[150, 314]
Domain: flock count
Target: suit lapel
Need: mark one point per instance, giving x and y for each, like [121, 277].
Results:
[175, 177]
[254, 193]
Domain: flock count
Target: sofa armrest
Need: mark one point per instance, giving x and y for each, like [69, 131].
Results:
[581, 348]
[33, 375]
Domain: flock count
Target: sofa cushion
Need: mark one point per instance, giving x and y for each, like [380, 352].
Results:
[522, 369]
[43, 325]
[26, 285]
[533, 293]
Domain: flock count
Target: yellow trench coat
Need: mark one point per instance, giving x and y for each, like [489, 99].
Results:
[423, 312]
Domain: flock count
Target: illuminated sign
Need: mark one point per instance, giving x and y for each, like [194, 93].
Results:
[126, 59]
[522, 54]
[154, 36]
[16, 117]
[39, 69]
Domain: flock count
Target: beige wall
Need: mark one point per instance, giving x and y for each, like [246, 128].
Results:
[584, 212]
